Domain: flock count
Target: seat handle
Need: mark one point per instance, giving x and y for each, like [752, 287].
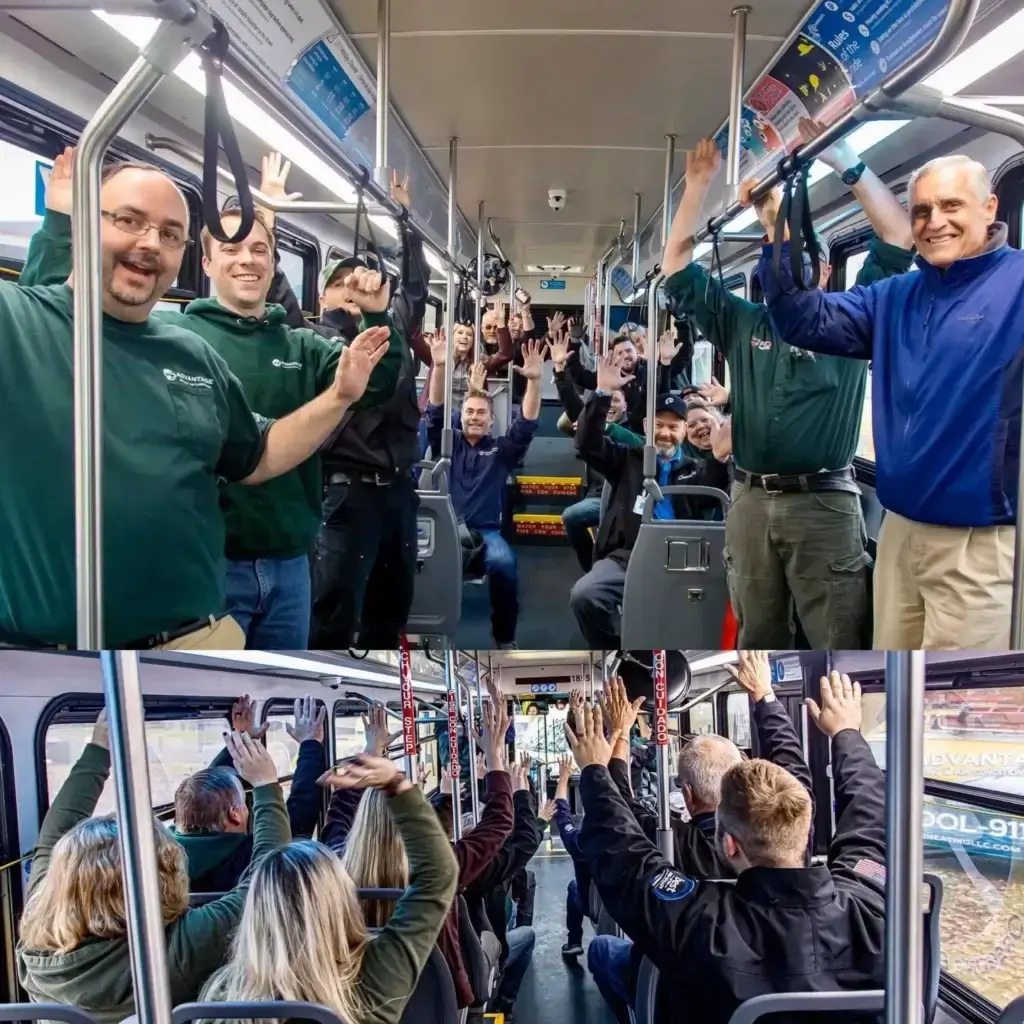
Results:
[690, 490]
[277, 1010]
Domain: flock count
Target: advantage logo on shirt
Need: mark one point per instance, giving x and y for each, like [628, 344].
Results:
[764, 344]
[282, 365]
[176, 377]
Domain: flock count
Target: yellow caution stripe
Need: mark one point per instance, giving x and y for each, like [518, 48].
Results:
[529, 524]
[562, 486]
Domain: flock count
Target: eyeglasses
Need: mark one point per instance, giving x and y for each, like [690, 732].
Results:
[132, 224]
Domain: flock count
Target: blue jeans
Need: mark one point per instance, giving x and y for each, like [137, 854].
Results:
[609, 960]
[574, 914]
[503, 579]
[577, 520]
[520, 952]
[271, 598]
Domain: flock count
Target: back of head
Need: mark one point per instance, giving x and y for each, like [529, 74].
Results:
[82, 895]
[204, 801]
[767, 811]
[375, 855]
[302, 936]
[703, 763]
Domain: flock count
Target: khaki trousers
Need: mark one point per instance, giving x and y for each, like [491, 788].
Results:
[223, 635]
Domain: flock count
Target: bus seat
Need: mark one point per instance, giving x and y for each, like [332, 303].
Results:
[606, 497]
[676, 583]
[45, 1011]
[868, 1001]
[437, 598]
[1013, 1013]
[200, 899]
[278, 1010]
[932, 947]
[594, 907]
[481, 955]
[500, 399]
[646, 993]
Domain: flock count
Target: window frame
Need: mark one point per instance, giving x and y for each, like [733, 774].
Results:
[43, 128]
[10, 879]
[1009, 188]
[304, 245]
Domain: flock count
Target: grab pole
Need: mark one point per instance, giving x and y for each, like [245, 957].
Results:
[665, 837]
[739, 45]
[453, 742]
[447, 436]
[637, 206]
[161, 56]
[136, 835]
[478, 311]
[383, 91]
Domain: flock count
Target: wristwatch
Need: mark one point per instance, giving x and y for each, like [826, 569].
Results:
[767, 698]
[853, 175]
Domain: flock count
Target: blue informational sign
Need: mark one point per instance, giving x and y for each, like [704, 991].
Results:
[843, 51]
[553, 285]
[544, 688]
[325, 88]
[42, 179]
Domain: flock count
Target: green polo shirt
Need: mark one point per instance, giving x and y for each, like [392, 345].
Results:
[280, 369]
[793, 411]
[175, 420]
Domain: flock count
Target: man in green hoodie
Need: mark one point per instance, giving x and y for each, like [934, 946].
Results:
[270, 529]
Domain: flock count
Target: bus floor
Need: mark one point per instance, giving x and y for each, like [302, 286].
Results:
[546, 623]
[555, 990]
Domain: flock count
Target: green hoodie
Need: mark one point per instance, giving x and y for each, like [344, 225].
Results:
[97, 976]
[280, 369]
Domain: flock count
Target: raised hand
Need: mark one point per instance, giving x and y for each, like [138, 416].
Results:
[561, 353]
[356, 363]
[500, 313]
[364, 772]
[547, 812]
[438, 348]
[668, 347]
[533, 360]
[767, 208]
[713, 393]
[309, 721]
[252, 760]
[721, 440]
[375, 729]
[59, 196]
[495, 725]
[101, 731]
[565, 768]
[703, 164]
[609, 374]
[274, 177]
[369, 290]
[478, 377]
[588, 743]
[840, 157]
[753, 673]
[400, 189]
[556, 322]
[243, 718]
[841, 705]
[618, 711]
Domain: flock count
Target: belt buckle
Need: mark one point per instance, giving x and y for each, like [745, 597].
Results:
[765, 477]
[381, 483]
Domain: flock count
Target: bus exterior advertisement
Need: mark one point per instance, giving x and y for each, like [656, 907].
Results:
[408, 704]
[956, 827]
[660, 700]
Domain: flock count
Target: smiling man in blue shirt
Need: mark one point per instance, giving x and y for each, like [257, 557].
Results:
[480, 467]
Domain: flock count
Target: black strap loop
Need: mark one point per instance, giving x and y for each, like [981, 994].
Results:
[371, 239]
[217, 129]
[711, 298]
[795, 213]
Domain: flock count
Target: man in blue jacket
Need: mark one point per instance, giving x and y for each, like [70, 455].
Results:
[946, 352]
[481, 464]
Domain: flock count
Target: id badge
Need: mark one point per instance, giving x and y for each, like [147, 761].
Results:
[638, 505]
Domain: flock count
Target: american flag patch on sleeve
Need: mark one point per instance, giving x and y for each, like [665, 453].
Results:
[871, 869]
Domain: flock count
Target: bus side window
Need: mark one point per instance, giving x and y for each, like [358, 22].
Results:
[300, 261]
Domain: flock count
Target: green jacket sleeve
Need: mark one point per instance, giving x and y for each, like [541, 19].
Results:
[620, 435]
[49, 253]
[324, 355]
[396, 957]
[199, 939]
[723, 318]
[884, 260]
[75, 802]
[384, 378]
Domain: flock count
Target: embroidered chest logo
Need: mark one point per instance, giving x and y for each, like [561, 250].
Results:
[282, 365]
[189, 380]
[763, 344]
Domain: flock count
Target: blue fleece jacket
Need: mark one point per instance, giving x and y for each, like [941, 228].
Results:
[947, 351]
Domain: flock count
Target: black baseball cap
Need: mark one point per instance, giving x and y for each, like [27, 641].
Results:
[671, 402]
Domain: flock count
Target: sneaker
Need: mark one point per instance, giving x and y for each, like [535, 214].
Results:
[513, 646]
[572, 949]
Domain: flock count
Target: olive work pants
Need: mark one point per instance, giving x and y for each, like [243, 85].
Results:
[803, 553]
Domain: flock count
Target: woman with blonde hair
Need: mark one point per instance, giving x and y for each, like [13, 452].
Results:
[73, 946]
[303, 936]
[375, 855]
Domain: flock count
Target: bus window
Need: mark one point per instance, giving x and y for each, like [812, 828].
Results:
[702, 718]
[972, 737]
[19, 170]
[979, 855]
[350, 736]
[737, 710]
[177, 749]
[282, 748]
[294, 269]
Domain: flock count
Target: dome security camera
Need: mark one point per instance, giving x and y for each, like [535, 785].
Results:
[557, 198]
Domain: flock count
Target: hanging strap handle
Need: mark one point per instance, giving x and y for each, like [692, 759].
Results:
[716, 264]
[361, 212]
[795, 213]
[216, 129]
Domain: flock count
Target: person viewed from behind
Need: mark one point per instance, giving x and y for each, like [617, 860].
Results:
[73, 946]
[577, 895]
[181, 424]
[811, 929]
[945, 353]
[211, 816]
[795, 534]
[480, 467]
[303, 937]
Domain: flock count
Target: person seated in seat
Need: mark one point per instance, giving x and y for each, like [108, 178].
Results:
[375, 854]
[782, 926]
[703, 763]
[303, 936]
[73, 946]
[487, 896]
[211, 817]
[480, 466]
[596, 598]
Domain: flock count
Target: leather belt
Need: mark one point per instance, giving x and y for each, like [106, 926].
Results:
[376, 479]
[776, 483]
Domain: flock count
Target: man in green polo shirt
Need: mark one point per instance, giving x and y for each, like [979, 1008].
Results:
[795, 537]
[175, 421]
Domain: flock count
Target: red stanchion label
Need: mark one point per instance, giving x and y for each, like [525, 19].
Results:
[660, 700]
[453, 731]
[408, 704]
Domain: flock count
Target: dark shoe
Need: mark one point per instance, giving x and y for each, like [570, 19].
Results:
[572, 949]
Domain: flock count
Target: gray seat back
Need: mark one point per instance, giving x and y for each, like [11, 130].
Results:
[868, 1001]
[437, 598]
[676, 590]
[272, 1010]
[646, 992]
[480, 955]
[606, 497]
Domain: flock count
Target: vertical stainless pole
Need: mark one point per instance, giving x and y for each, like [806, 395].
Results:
[904, 839]
[606, 327]
[136, 836]
[598, 301]
[664, 763]
[383, 90]
[513, 285]
[478, 312]
[592, 680]
[637, 205]
[739, 44]
[453, 744]
[474, 788]
[447, 437]
[479, 687]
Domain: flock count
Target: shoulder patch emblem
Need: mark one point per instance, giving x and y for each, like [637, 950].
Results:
[671, 885]
[871, 869]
